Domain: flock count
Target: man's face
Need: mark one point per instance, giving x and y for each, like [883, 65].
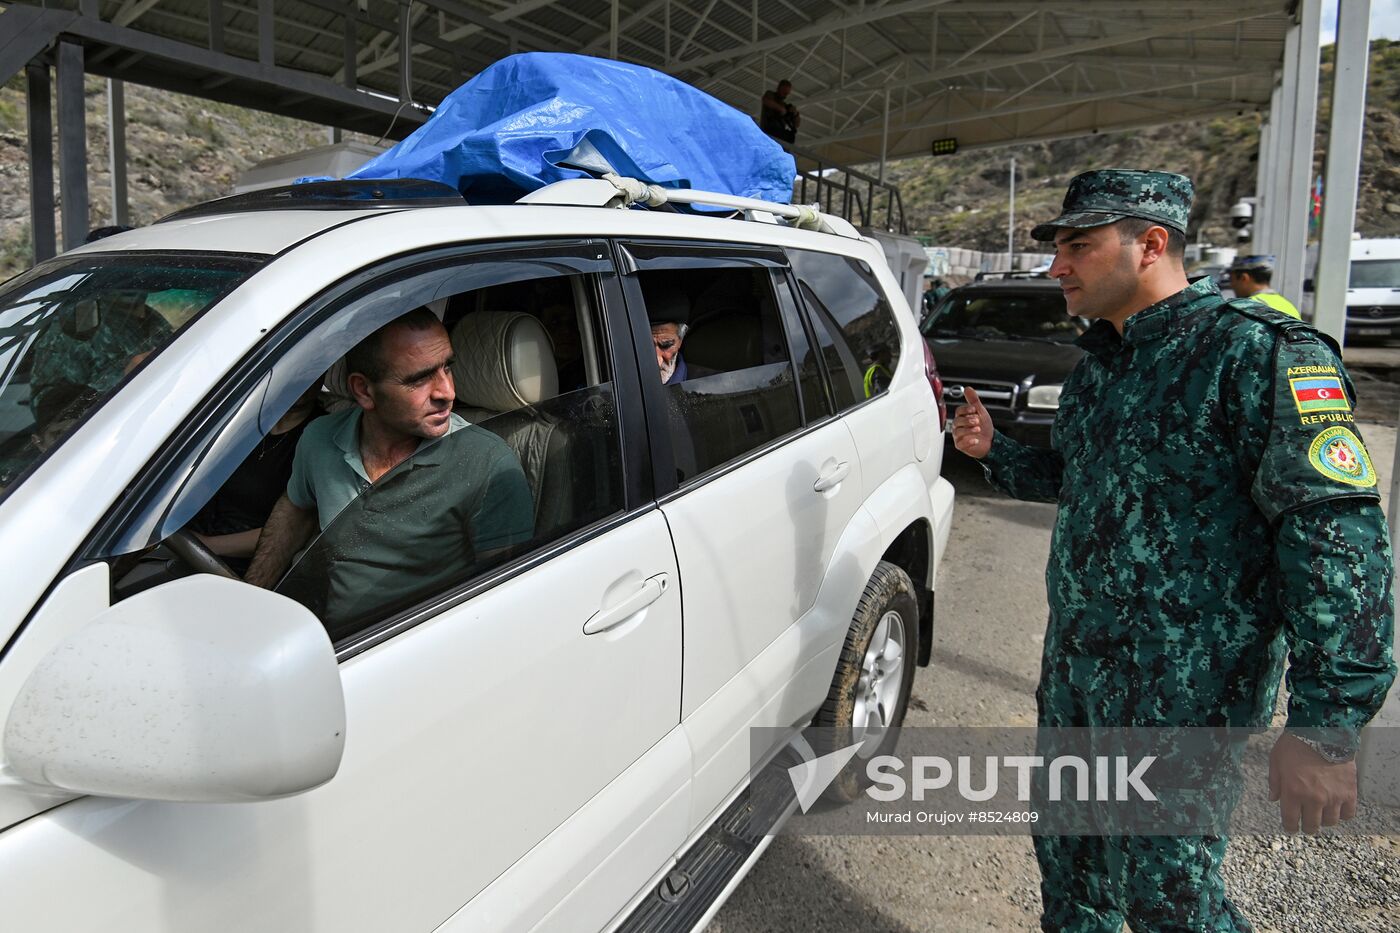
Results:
[414, 399]
[1098, 273]
[784, 89]
[666, 338]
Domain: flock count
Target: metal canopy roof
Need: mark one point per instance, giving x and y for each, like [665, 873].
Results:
[988, 72]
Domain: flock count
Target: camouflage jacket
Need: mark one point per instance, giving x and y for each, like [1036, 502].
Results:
[1217, 510]
[96, 358]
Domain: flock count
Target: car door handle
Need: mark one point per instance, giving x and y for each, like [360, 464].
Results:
[832, 477]
[649, 592]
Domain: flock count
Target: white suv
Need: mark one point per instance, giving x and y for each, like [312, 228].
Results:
[410, 732]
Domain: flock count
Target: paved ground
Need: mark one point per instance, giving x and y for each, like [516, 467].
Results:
[991, 616]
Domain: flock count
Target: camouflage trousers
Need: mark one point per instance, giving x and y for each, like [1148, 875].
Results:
[1094, 884]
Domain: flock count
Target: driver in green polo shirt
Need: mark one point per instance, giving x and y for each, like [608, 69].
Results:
[370, 478]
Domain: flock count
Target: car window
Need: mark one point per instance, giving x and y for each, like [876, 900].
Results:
[722, 356]
[487, 492]
[1375, 273]
[811, 381]
[531, 456]
[72, 331]
[1038, 315]
[851, 321]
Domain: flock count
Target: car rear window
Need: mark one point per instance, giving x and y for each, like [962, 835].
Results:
[1000, 315]
[71, 331]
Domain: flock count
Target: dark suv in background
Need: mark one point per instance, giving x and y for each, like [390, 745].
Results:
[1010, 338]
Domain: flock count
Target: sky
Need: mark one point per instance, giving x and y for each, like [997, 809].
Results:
[1385, 20]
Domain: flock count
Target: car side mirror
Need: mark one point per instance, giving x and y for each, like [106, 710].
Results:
[202, 689]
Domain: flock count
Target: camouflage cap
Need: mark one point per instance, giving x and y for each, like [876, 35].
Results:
[1247, 263]
[1107, 196]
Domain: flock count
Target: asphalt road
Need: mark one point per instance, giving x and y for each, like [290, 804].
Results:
[991, 614]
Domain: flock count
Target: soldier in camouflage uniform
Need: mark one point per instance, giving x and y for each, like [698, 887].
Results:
[1217, 511]
[93, 345]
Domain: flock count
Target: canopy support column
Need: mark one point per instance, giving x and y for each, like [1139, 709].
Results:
[1259, 223]
[1292, 254]
[116, 150]
[1353, 53]
[38, 101]
[613, 26]
[72, 145]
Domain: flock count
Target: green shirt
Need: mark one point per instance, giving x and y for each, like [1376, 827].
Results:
[458, 505]
[1216, 510]
[327, 472]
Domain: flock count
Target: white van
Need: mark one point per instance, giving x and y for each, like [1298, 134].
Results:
[413, 731]
[1373, 291]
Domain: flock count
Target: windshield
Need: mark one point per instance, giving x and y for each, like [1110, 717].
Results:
[71, 331]
[1375, 273]
[1038, 315]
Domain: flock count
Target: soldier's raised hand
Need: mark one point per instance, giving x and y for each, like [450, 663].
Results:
[972, 427]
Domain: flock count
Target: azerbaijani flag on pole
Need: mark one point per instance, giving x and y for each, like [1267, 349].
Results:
[1319, 393]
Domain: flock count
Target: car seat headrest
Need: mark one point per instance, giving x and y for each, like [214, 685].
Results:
[504, 360]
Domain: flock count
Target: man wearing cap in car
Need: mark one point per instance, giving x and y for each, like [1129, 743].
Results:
[1250, 277]
[1217, 512]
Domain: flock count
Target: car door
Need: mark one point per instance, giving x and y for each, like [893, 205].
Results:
[757, 483]
[512, 743]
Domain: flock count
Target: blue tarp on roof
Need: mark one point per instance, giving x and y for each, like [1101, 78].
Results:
[506, 131]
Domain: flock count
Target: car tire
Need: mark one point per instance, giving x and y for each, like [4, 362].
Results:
[873, 677]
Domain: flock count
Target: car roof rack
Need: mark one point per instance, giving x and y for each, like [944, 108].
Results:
[1021, 274]
[342, 195]
[618, 192]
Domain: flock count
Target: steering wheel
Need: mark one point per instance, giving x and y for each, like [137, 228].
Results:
[196, 555]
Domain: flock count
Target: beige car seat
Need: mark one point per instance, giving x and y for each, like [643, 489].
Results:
[505, 365]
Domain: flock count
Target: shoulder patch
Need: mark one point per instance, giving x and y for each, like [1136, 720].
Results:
[1338, 454]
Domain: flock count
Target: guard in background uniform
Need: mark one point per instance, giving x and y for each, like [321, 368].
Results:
[1250, 277]
[1218, 512]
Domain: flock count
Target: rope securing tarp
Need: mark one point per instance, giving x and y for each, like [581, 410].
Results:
[634, 191]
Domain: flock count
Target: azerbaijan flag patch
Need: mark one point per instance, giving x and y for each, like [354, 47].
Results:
[1319, 393]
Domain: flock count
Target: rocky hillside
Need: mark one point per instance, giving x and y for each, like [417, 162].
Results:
[183, 150]
[960, 200]
[180, 150]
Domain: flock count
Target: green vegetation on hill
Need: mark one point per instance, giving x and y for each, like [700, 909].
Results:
[182, 150]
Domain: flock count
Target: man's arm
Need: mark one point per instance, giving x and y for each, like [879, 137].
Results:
[1332, 564]
[1020, 471]
[771, 102]
[1334, 571]
[1334, 576]
[287, 530]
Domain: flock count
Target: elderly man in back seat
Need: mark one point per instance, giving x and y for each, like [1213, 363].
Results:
[668, 311]
[361, 476]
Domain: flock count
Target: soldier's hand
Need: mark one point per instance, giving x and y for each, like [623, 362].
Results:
[1311, 791]
[972, 427]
